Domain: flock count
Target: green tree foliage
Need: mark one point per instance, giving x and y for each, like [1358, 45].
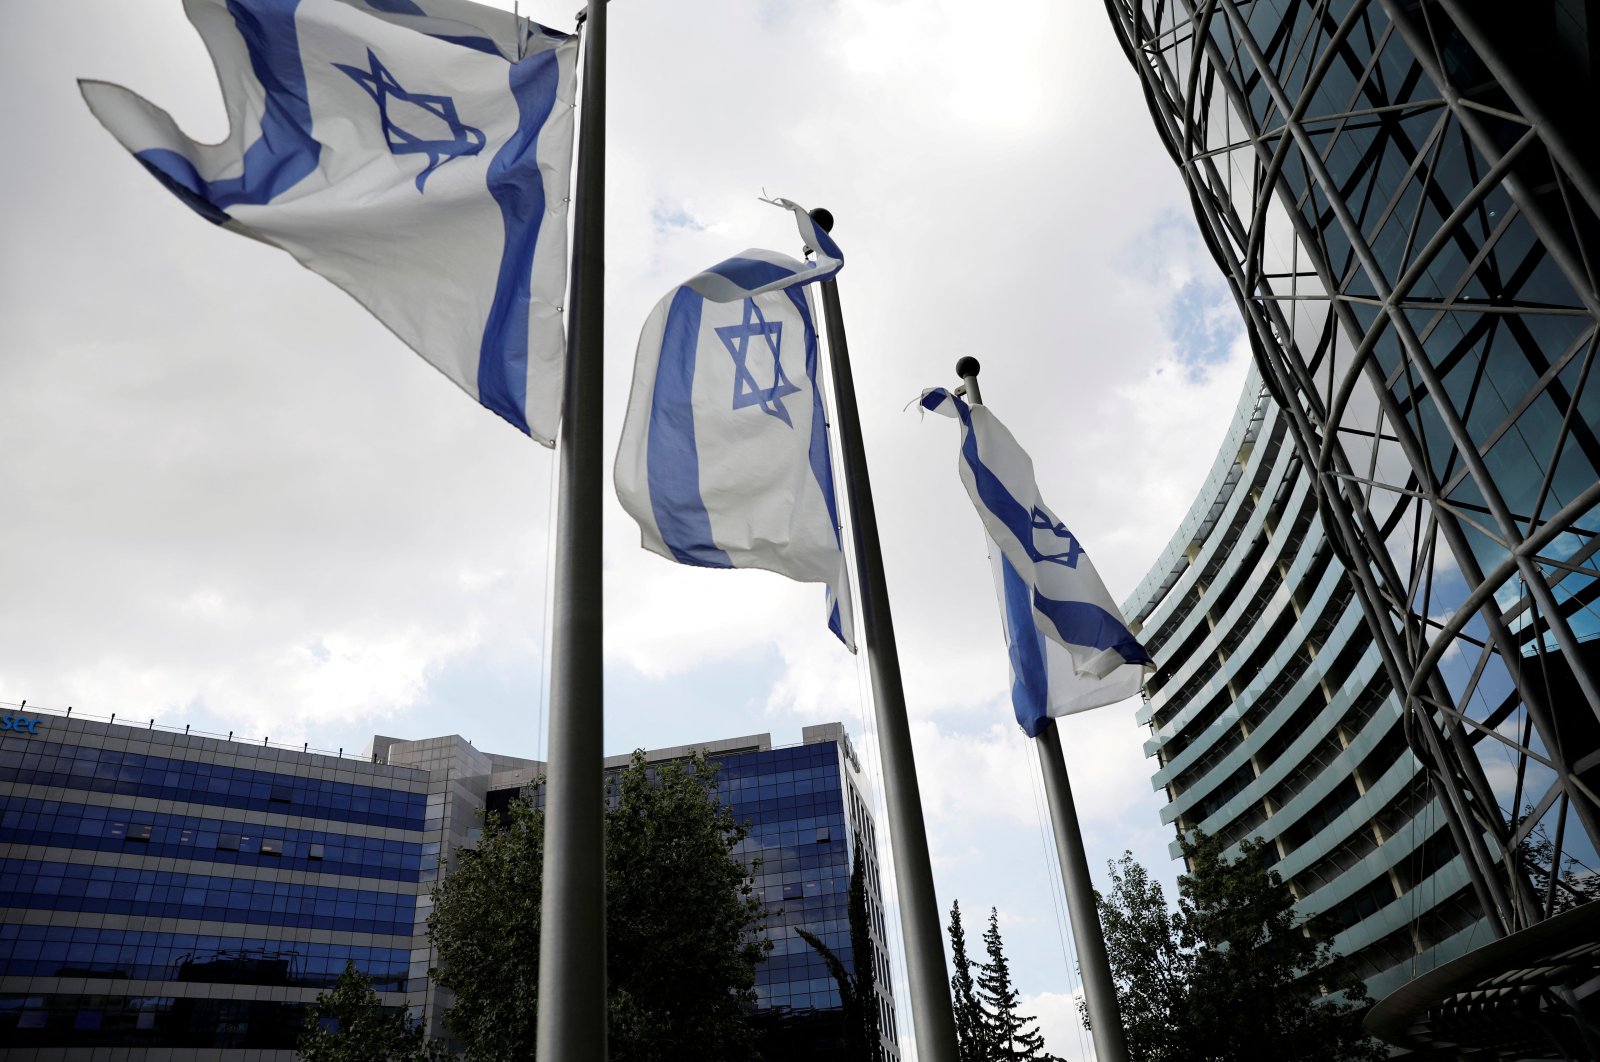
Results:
[485, 928]
[1233, 974]
[684, 928]
[349, 1024]
[971, 1022]
[1152, 970]
[858, 993]
[1009, 1033]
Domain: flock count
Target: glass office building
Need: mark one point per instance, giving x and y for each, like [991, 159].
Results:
[805, 806]
[1405, 199]
[182, 896]
[189, 895]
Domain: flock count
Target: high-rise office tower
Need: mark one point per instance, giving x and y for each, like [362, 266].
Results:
[1405, 199]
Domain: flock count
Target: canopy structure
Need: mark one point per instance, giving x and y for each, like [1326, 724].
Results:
[1520, 997]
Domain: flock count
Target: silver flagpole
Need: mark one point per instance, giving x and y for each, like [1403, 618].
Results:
[931, 1012]
[1099, 991]
[572, 946]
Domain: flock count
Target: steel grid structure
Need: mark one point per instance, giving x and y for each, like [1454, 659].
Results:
[1411, 229]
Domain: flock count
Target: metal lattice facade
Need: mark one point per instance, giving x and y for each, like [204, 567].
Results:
[1404, 197]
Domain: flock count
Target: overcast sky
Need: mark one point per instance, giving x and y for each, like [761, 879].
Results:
[234, 500]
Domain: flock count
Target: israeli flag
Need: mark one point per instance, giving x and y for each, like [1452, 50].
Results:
[414, 152]
[1070, 649]
[724, 457]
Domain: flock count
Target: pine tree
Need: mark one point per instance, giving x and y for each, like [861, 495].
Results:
[1010, 1035]
[971, 1022]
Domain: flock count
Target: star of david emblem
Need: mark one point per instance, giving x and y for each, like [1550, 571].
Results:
[459, 139]
[746, 390]
[1043, 521]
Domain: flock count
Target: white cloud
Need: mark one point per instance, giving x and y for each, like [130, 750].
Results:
[1064, 1034]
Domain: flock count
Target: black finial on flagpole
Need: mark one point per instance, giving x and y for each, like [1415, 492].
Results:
[823, 217]
[966, 367]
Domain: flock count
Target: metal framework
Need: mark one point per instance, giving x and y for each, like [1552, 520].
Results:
[1392, 192]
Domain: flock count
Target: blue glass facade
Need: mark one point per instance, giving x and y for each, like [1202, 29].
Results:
[208, 839]
[170, 891]
[804, 810]
[161, 891]
[91, 770]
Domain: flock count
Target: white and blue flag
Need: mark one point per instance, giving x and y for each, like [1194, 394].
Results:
[724, 458]
[1070, 649]
[414, 152]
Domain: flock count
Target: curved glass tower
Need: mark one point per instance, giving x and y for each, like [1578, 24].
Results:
[1405, 198]
[1272, 715]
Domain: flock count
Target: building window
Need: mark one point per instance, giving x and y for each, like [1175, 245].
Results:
[271, 846]
[314, 852]
[228, 842]
[139, 831]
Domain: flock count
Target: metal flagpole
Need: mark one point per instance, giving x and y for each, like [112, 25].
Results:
[1099, 991]
[931, 1012]
[572, 947]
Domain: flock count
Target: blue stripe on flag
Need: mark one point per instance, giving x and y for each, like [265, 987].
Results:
[672, 456]
[1083, 623]
[821, 467]
[407, 7]
[518, 187]
[286, 152]
[477, 44]
[1017, 517]
[750, 272]
[182, 180]
[825, 243]
[1030, 675]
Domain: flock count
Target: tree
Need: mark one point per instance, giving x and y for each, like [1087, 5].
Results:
[971, 1022]
[485, 927]
[349, 1024]
[1151, 970]
[1233, 974]
[1574, 885]
[858, 992]
[1010, 1035]
[684, 928]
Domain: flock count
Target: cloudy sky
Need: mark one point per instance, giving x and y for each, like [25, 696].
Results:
[233, 500]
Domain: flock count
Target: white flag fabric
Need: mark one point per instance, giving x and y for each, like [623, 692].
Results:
[414, 152]
[724, 458]
[1070, 649]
